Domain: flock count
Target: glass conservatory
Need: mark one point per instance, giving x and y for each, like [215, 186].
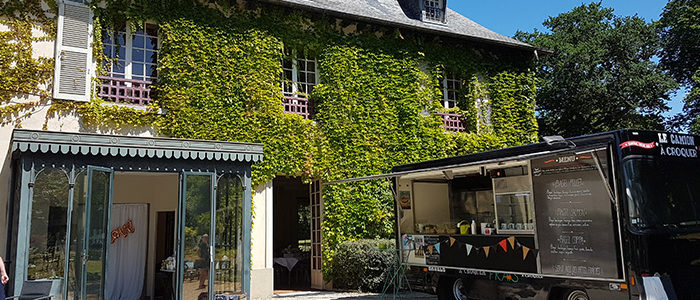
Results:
[123, 217]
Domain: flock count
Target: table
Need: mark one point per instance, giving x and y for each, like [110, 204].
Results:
[289, 263]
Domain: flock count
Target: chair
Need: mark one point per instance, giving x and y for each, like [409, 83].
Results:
[34, 290]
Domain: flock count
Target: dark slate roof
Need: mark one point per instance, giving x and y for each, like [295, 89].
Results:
[390, 12]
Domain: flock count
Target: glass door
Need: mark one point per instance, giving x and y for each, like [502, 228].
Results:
[95, 229]
[195, 236]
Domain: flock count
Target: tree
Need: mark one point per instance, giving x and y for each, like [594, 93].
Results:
[599, 75]
[679, 28]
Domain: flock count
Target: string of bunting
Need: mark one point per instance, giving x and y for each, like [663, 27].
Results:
[503, 244]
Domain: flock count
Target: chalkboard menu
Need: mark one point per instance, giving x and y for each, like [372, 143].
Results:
[575, 228]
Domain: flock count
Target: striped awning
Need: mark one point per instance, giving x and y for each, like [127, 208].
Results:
[39, 141]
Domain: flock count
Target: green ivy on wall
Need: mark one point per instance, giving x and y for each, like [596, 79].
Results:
[219, 78]
[21, 74]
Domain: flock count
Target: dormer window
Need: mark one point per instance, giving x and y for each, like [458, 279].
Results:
[434, 10]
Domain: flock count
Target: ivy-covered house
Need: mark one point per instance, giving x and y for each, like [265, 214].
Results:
[134, 134]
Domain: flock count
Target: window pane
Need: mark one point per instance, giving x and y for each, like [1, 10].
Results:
[122, 38]
[107, 37]
[118, 66]
[228, 253]
[77, 238]
[196, 231]
[138, 41]
[48, 225]
[311, 66]
[152, 43]
[108, 51]
[151, 57]
[122, 52]
[137, 55]
[287, 64]
[151, 29]
[137, 69]
[151, 70]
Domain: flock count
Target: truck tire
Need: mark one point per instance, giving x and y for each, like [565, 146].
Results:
[575, 294]
[451, 288]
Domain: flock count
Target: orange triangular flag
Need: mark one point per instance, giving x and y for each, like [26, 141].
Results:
[452, 241]
[525, 251]
[511, 240]
[430, 249]
[503, 245]
[486, 250]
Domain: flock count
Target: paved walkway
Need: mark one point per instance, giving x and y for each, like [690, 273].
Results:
[326, 295]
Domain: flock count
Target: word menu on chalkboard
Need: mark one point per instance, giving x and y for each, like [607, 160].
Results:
[575, 227]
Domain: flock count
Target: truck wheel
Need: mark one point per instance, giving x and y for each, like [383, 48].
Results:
[573, 294]
[451, 288]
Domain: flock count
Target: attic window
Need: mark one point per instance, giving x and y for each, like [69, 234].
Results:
[434, 10]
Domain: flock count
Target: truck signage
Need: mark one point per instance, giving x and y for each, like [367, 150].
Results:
[574, 217]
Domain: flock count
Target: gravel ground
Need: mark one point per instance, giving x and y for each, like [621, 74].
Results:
[326, 295]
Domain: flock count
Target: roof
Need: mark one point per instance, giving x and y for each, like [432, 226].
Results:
[390, 12]
[40, 141]
[520, 152]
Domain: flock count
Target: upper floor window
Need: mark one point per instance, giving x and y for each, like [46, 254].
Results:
[131, 65]
[434, 10]
[132, 55]
[451, 87]
[299, 73]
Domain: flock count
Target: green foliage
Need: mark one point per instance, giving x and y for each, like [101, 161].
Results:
[361, 265]
[219, 67]
[513, 107]
[22, 75]
[601, 75]
[679, 27]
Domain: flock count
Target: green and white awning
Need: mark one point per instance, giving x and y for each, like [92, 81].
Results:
[39, 141]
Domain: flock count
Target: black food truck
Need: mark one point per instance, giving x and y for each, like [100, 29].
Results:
[614, 215]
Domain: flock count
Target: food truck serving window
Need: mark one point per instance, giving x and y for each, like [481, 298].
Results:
[514, 207]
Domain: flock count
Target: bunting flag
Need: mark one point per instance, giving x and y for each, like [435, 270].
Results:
[525, 251]
[511, 240]
[503, 245]
[434, 248]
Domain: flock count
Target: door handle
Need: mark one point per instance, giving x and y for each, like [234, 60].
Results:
[84, 258]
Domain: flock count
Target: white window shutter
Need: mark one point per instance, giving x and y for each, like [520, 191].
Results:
[74, 62]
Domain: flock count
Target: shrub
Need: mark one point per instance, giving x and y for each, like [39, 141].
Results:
[361, 265]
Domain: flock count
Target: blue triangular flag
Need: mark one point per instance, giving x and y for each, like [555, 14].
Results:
[437, 248]
[469, 249]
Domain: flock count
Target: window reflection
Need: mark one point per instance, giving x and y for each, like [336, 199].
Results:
[228, 262]
[48, 225]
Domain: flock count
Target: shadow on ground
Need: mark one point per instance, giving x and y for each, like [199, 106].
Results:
[326, 295]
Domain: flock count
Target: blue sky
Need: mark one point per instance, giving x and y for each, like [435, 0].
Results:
[508, 16]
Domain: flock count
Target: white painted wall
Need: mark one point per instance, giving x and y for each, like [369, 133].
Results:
[262, 273]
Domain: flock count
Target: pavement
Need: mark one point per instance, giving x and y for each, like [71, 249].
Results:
[331, 295]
